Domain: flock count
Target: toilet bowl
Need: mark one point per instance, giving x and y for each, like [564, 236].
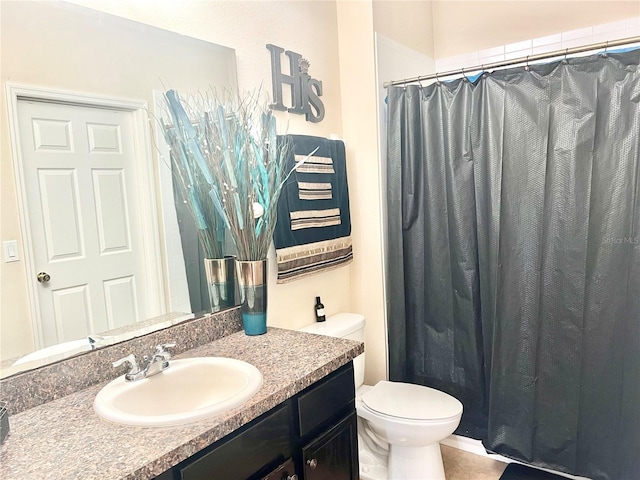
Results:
[412, 419]
[373, 450]
[400, 425]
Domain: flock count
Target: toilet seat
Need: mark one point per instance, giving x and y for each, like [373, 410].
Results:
[405, 401]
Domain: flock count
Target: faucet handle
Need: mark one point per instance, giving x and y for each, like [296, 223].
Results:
[131, 360]
[162, 349]
[95, 341]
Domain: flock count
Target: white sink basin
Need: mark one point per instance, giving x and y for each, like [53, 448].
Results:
[189, 390]
[67, 348]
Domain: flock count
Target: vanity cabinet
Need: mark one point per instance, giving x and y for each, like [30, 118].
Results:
[311, 436]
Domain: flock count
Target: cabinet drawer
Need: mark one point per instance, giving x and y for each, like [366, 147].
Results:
[286, 471]
[326, 399]
[264, 441]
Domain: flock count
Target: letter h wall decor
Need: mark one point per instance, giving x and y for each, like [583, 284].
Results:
[305, 91]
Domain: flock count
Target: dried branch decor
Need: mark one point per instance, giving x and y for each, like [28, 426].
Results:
[231, 167]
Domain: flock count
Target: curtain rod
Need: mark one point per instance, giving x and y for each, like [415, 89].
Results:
[506, 63]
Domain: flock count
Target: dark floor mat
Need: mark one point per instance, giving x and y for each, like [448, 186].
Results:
[515, 471]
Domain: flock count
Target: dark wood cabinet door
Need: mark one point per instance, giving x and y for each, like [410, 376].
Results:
[333, 455]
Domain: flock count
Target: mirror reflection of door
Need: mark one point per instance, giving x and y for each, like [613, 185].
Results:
[82, 193]
[155, 60]
[193, 254]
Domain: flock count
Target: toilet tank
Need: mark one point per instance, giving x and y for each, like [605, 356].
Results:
[343, 325]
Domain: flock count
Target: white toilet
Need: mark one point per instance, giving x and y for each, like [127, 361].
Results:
[399, 421]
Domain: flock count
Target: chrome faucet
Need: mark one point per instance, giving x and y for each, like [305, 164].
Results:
[151, 364]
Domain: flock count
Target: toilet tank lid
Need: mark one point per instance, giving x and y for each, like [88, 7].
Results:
[338, 325]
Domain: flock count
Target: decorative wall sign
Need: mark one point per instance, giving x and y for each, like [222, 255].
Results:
[305, 91]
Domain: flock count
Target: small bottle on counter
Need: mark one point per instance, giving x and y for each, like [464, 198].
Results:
[320, 315]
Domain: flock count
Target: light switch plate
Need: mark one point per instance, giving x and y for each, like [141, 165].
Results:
[10, 248]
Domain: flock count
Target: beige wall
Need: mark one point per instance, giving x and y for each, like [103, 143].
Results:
[309, 28]
[337, 38]
[467, 26]
[228, 23]
[91, 62]
[357, 75]
[407, 22]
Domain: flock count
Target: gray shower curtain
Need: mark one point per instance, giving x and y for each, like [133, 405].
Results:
[514, 257]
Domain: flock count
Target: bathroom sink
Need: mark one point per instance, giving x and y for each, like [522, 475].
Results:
[66, 348]
[190, 389]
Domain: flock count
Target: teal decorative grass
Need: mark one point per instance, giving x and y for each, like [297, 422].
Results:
[231, 166]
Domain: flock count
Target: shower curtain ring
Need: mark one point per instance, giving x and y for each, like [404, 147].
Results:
[420, 82]
[606, 46]
[437, 79]
[464, 76]
[565, 61]
[526, 67]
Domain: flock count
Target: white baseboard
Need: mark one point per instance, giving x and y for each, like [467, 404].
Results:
[475, 446]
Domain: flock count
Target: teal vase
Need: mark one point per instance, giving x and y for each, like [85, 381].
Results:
[252, 287]
[221, 282]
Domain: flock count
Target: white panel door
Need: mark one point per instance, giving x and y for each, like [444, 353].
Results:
[80, 182]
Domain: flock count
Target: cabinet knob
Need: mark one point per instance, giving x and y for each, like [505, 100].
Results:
[292, 477]
[313, 463]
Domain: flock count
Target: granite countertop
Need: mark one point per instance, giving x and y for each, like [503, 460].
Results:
[64, 438]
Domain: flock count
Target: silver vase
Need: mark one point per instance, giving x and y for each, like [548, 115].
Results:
[252, 286]
[221, 282]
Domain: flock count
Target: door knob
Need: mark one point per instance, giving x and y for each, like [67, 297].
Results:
[43, 277]
[313, 463]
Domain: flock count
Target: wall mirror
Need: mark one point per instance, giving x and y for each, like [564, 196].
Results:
[62, 66]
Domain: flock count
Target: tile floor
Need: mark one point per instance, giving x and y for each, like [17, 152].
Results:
[461, 465]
